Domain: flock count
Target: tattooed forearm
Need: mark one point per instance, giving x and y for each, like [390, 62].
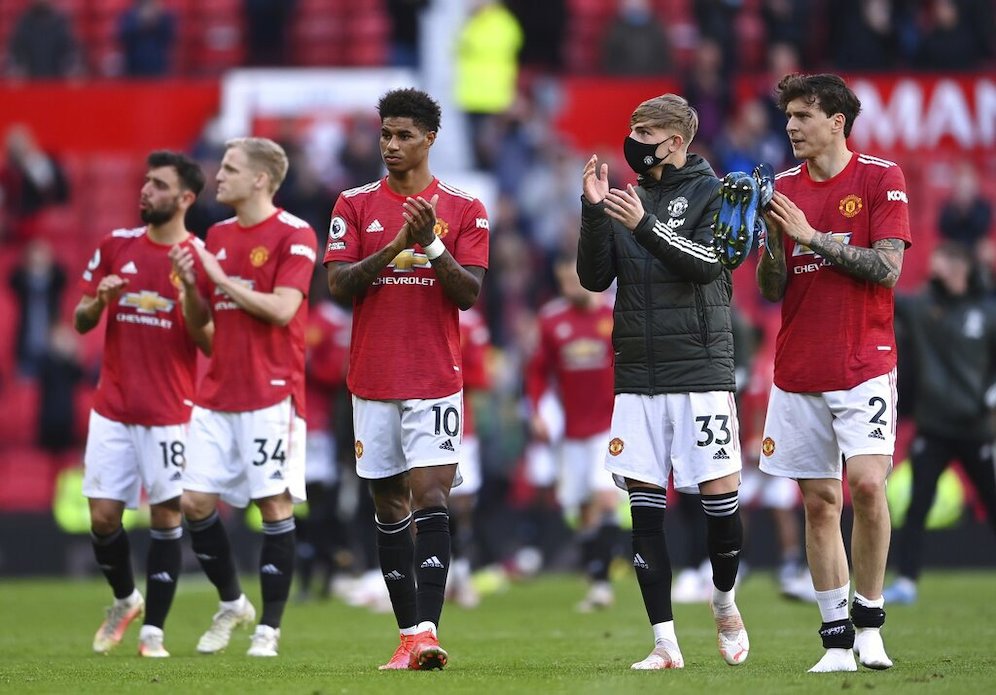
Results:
[880, 264]
[772, 273]
[347, 280]
[461, 285]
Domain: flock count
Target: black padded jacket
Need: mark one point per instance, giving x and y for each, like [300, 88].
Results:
[672, 331]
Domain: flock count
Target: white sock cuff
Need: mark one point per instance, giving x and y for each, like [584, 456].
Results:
[664, 631]
[833, 603]
[867, 602]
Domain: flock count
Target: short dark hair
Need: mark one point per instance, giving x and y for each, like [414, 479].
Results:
[832, 93]
[189, 172]
[411, 103]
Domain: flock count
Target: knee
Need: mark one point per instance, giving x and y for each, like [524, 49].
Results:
[867, 492]
[276, 508]
[196, 507]
[431, 496]
[104, 523]
[822, 508]
[165, 515]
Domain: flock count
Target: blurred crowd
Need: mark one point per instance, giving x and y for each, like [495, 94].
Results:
[508, 58]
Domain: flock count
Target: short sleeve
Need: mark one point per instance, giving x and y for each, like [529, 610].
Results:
[472, 244]
[96, 269]
[344, 242]
[890, 215]
[297, 260]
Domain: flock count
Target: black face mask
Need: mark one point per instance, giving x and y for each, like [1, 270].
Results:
[642, 157]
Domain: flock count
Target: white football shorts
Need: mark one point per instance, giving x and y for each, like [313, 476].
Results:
[808, 435]
[582, 470]
[122, 459]
[693, 436]
[398, 435]
[320, 464]
[247, 455]
[470, 467]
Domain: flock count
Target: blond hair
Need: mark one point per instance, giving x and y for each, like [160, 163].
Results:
[668, 111]
[265, 155]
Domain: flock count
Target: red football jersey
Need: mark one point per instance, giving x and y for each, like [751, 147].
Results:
[837, 330]
[475, 338]
[255, 364]
[575, 351]
[327, 340]
[406, 337]
[149, 366]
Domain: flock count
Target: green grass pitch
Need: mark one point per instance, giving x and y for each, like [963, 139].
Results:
[524, 640]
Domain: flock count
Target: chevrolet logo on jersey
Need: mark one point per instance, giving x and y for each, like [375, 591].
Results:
[803, 250]
[147, 302]
[408, 260]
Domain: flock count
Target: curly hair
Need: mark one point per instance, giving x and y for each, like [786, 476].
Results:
[411, 103]
[187, 170]
[829, 92]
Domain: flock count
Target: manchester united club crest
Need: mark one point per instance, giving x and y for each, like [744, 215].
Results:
[174, 279]
[768, 446]
[677, 207]
[442, 228]
[358, 448]
[616, 446]
[850, 206]
[258, 256]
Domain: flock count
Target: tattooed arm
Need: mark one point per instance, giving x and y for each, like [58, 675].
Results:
[347, 280]
[772, 271]
[880, 264]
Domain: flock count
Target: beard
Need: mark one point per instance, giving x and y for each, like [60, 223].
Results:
[161, 215]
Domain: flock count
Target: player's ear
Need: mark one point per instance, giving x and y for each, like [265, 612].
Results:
[430, 137]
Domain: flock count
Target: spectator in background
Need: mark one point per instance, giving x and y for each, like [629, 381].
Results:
[486, 71]
[747, 140]
[30, 180]
[967, 215]
[147, 32]
[266, 30]
[635, 42]
[786, 21]
[359, 156]
[59, 373]
[42, 45]
[863, 35]
[38, 282]
[404, 18]
[708, 91]
[950, 329]
[543, 29]
[716, 20]
[950, 42]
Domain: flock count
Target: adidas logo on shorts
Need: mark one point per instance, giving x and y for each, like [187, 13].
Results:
[393, 576]
[638, 561]
[433, 562]
[176, 476]
[721, 455]
[876, 434]
[447, 445]
[277, 475]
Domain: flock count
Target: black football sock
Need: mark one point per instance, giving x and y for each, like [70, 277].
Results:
[211, 547]
[396, 551]
[432, 561]
[650, 558]
[276, 569]
[113, 555]
[725, 537]
[162, 572]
